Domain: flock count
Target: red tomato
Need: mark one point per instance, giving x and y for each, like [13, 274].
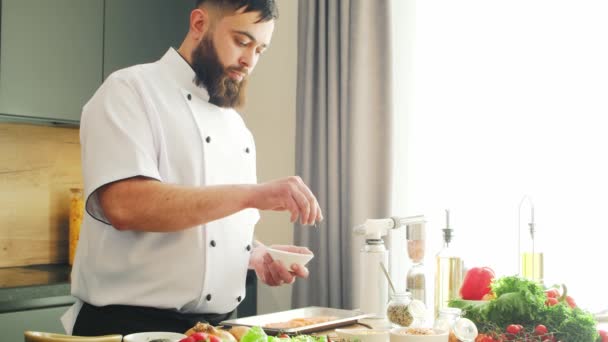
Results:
[484, 338]
[187, 339]
[552, 293]
[540, 330]
[476, 283]
[204, 337]
[603, 335]
[551, 301]
[200, 336]
[571, 302]
[514, 329]
[213, 338]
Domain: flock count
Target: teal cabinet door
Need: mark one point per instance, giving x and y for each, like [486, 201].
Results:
[141, 31]
[13, 324]
[50, 57]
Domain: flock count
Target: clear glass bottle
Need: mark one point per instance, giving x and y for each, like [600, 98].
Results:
[531, 254]
[398, 309]
[449, 271]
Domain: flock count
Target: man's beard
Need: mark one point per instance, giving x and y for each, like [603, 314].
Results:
[210, 73]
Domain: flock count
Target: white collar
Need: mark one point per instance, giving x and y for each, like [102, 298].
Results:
[183, 73]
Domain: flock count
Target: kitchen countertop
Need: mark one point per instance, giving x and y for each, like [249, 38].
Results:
[34, 287]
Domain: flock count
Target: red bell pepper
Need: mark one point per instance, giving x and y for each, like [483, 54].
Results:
[476, 283]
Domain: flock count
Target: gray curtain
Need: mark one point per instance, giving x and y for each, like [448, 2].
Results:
[343, 135]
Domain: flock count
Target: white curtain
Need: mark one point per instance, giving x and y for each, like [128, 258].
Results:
[495, 100]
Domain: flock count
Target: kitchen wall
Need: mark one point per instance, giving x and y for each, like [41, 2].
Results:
[270, 114]
[38, 166]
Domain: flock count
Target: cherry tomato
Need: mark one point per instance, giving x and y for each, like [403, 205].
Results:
[187, 339]
[200, 336]
[283, 336]
[213, 338]
[571, 302]
[540, 330]
[514, 329]
[552, 293]
[551, 301]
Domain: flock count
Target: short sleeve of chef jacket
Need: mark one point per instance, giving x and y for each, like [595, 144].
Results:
[116, 138]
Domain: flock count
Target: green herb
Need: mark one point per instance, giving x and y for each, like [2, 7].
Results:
[257, 334]
[520, 301]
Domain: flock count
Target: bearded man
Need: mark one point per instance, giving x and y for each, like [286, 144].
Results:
[170, 184]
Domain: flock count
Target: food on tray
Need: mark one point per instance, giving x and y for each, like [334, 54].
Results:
[300, 322]
[205, 329]
[257, 334]
[238, 331]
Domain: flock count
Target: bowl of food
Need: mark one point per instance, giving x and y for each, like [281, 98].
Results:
[153, 336]
[363, 335]
[411, 334]
[289, 258]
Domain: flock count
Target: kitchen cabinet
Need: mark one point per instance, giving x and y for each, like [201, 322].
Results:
[141, 31]
[13, 324]
[55, 54]
[50, 58]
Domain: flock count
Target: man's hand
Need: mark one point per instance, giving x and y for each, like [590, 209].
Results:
[289, 194]
[273, 272]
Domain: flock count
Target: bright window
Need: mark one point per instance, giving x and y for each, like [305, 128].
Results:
[500, 99]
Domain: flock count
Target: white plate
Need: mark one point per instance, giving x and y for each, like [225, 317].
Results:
[153, 335]
[289, 258]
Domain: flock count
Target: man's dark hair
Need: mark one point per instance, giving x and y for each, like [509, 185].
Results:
[267, 8]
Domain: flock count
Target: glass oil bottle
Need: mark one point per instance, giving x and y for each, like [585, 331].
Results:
[449, 271]
[531, 264]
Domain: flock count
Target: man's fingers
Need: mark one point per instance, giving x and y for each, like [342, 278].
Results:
[312, 203]
[282, 272]
[303, 205]
[293, 208]
[300, 271]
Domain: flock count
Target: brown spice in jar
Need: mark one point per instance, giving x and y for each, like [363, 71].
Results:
[399, 314]
[415, 250]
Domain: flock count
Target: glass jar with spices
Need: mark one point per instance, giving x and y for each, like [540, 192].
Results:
[398, 309]
[76, 214]
[416, 277]
[416, 282]
[416, 239]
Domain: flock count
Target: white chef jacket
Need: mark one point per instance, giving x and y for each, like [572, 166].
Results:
[152, 120]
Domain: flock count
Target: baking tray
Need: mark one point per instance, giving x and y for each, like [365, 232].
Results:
[344, 317]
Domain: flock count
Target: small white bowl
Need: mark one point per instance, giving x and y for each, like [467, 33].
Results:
[363, 335]
[290, 258]
[153, 335]
[401, 335]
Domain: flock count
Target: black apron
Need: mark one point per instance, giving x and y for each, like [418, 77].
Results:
[124, 320]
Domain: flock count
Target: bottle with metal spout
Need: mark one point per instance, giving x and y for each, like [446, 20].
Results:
[530, 251]
[449, 271]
